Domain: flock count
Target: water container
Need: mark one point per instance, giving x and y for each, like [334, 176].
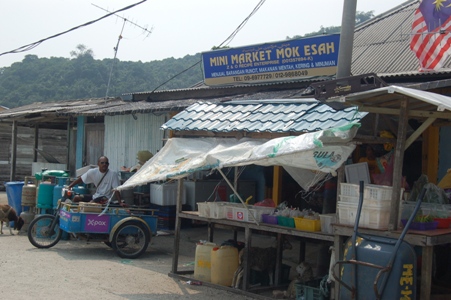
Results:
[29, 192]
[45, 195]
[224, 262]
[61, 182]
[202, 265]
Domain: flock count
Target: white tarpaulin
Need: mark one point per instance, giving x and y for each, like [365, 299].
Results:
[323, 151]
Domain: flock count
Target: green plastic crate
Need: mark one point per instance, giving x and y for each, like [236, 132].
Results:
[310, 290]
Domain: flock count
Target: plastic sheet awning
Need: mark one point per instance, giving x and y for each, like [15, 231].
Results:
[323, 151]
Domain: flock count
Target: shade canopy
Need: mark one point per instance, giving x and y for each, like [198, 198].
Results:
[323, 151]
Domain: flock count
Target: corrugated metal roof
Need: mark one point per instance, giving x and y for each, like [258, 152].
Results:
[382, 44]
[281, 116]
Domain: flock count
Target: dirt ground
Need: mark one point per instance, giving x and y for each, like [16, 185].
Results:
[78, 269]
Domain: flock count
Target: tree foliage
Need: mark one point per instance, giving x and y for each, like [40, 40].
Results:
[52, 79]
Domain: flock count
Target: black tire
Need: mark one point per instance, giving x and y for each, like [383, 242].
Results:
[39, 235]
[131, 239]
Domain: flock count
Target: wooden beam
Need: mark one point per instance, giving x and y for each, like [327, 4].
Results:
[412, 138]
[412, 113]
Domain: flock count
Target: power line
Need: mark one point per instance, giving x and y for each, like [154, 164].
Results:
[35, 44]
[228, 40]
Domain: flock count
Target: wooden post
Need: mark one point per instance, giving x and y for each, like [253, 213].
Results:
[36, 143]
[12, 176]
[178, 222]
[397, 167]
[277, 185]
[246, 264]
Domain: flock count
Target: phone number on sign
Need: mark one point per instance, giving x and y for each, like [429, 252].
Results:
[287, 74]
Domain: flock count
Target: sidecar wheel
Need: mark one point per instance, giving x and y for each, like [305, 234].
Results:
[131, 239]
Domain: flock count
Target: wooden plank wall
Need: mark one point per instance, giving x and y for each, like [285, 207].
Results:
[51, 141]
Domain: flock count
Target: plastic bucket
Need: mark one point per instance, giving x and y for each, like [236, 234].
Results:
[14, 194]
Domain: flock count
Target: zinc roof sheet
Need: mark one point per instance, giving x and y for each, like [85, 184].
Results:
[273, 116]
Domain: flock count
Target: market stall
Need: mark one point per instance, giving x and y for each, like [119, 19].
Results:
[310, 151]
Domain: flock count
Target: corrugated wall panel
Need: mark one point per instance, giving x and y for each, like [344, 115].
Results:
[125, 136]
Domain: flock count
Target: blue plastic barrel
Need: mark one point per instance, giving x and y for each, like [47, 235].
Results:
[14, 194]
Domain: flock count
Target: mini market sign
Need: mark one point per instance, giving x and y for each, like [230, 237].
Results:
[286, 60]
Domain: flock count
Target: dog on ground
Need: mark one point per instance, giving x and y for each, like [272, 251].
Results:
[8, 214]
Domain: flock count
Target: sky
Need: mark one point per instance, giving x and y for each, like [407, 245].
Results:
[178, 27]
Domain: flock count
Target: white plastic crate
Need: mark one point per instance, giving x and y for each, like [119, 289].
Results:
[370, 216]
[370, 191]
[203, 209]
[165, 194]
[326, 222]
[218, 210]
[240, 214]
[366, 202]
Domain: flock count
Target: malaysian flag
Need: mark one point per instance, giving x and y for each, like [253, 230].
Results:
[431, 33]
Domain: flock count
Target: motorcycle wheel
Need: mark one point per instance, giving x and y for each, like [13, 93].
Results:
[39, 233]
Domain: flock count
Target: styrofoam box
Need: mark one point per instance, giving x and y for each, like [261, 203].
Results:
[164, 194]
[366, 202]
[326, 222]
[370, 216]
[370, 191]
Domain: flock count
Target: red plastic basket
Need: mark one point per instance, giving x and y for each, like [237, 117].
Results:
[443, 222]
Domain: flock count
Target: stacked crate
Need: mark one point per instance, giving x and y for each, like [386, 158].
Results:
[167, 215]
[376, 205]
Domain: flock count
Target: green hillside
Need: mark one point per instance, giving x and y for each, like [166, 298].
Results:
[51, 79]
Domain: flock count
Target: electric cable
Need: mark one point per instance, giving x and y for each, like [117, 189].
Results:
[227, 40]
[35, 44]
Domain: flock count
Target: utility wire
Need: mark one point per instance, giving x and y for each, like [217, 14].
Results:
[234, 33]
[227, 40]
[35, 44]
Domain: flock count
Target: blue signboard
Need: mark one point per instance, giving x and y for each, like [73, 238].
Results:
[286, 60]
